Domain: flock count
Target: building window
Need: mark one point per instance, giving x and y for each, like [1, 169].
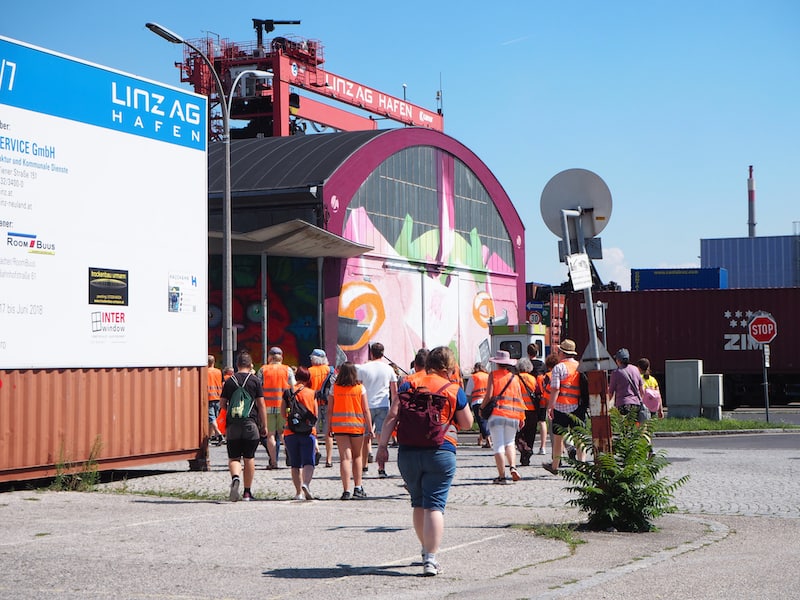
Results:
[404, 197]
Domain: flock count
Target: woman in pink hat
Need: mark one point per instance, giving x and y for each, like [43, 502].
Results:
[508, 415]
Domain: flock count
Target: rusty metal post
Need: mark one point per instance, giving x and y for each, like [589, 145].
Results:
[598, 403]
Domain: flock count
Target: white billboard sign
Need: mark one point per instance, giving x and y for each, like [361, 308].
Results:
[103, 216]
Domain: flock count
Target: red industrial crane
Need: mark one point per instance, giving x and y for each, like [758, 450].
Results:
[270, 105]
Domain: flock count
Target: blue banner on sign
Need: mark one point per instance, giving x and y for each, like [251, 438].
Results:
[39, 81]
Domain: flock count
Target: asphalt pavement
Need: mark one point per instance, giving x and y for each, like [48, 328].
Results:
[734, 535]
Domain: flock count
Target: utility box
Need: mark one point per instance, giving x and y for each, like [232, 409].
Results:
[683, 387]
[514, 339]
[711, 396]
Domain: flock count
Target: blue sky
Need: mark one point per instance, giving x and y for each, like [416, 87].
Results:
[668, 101]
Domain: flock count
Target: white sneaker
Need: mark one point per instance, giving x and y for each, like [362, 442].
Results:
[307, 492]
[430, 568]
[233, 496]
[541, 452]
[300, 497]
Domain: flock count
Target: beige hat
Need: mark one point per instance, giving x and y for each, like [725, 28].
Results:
[568, 347]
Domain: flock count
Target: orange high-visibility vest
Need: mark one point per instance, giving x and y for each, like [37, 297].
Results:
[319, 373]
[480, 382]
[214, 384]
[510, 404]
[529, 398]
[544, 388]
[276, 379]
[569, 391]
[348, 414]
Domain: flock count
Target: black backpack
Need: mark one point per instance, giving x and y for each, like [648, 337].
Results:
[322, 394]
[419, 418]
[298, 418]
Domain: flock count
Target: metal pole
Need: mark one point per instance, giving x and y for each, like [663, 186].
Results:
[227, 252]
[764, 355]
[227, 259]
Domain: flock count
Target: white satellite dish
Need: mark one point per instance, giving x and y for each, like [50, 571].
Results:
[573, 189]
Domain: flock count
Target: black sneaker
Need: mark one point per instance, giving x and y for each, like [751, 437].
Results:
[247, 497]
[382, 474]
[359, 493]
[572, 452]
[233, 496]
[345, 495]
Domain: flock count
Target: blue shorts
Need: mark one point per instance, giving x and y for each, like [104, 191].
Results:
[213, 410]
[378, 416]
[428, 473]
[301, 449]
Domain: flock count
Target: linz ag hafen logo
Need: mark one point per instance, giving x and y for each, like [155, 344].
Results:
[31, 242]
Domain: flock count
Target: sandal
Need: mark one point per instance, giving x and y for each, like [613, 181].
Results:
[500, 480]
[549, 467]
[514, 474]
[328, 465]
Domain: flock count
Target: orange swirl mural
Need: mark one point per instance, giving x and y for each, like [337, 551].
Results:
[361, 314]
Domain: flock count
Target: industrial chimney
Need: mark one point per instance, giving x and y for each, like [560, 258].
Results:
[751, 204]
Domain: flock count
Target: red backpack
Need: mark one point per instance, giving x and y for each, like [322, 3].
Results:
[419, 419]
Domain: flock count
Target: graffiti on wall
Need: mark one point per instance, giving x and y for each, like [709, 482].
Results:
[406, 300]
[293, 324]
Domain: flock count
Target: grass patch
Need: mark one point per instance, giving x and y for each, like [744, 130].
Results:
[76, 477]
[701, 424]
[188, 494]
[563, 532]
[175, 494]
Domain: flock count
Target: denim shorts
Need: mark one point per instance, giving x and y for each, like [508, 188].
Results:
[378, 415]
[301, 449]
[428, 473]
[213, 410]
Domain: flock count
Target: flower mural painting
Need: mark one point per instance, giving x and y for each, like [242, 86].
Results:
[430, 280]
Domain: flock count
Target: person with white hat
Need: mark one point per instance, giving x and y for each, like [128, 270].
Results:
[564, 401]
[508, 414]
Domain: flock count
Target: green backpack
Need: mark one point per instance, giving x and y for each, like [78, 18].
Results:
[241, 403]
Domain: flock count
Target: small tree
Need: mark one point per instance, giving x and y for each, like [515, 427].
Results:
[621, 490]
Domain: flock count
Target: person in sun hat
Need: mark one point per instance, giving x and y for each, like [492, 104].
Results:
[564, 401]
[508, 416]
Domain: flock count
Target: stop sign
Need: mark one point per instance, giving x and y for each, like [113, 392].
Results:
[763, 328]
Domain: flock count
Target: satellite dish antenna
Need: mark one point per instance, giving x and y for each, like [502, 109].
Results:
[573, 189]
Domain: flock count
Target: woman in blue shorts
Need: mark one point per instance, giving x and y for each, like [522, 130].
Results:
[428, 472]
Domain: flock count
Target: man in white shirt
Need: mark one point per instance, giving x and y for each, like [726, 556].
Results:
[380, 383]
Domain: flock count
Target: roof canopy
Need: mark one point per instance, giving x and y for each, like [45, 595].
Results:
[294, 238]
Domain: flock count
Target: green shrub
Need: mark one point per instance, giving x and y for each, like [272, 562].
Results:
[621, 490]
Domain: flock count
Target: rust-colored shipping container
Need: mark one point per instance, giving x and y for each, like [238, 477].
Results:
[138, 416]
[707, 324]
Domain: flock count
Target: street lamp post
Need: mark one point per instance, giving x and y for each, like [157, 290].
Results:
[227, 252]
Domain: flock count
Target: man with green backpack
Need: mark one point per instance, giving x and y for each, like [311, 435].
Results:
[246, 423]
